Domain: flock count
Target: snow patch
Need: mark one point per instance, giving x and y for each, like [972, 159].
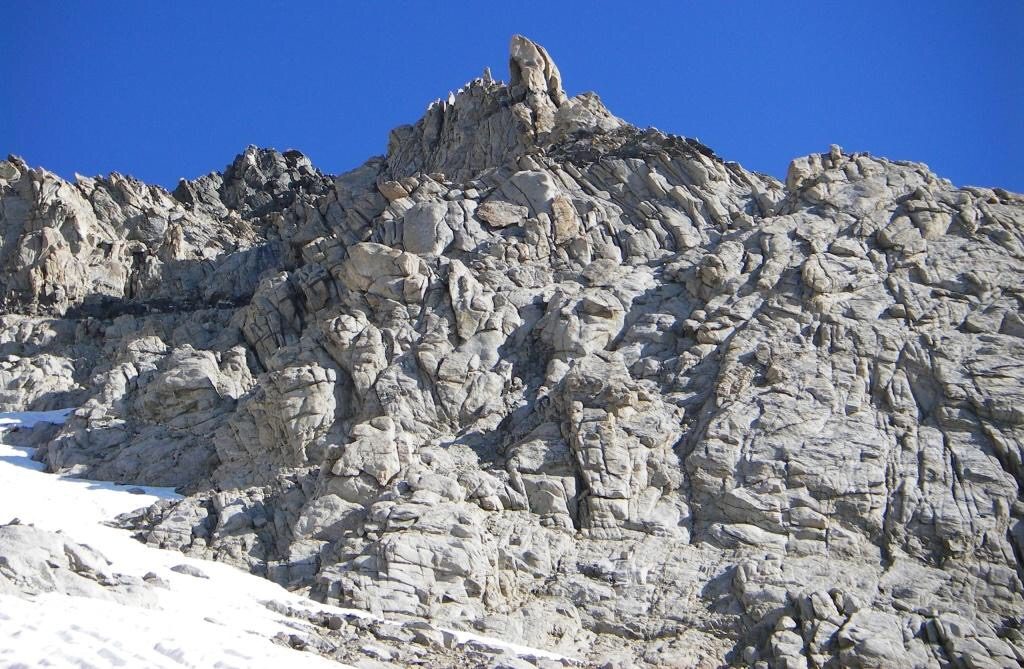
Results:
[32, 418]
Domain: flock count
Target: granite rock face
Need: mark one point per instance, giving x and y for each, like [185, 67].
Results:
[546, 375]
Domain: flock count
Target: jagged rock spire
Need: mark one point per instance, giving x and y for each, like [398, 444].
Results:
[488, 123]
[532, 71]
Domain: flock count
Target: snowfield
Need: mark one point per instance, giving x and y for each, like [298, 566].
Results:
[219, 621]
[215, 622]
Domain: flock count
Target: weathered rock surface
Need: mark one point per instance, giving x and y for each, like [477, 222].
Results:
[545, 375]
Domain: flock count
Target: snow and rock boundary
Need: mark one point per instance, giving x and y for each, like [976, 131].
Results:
[75, 591]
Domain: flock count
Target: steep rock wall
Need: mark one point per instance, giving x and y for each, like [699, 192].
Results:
[546, 374]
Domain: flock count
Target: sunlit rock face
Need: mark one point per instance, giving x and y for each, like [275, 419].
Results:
[544, 374]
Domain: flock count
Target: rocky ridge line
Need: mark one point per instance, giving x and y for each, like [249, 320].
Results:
[556, 378]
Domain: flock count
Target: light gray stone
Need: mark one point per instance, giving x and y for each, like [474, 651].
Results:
[540, 373]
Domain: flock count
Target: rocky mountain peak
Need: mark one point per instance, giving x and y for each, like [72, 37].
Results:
[488, 124]
[542, 372]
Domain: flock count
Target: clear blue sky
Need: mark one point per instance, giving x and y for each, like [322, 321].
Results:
[176, 89]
